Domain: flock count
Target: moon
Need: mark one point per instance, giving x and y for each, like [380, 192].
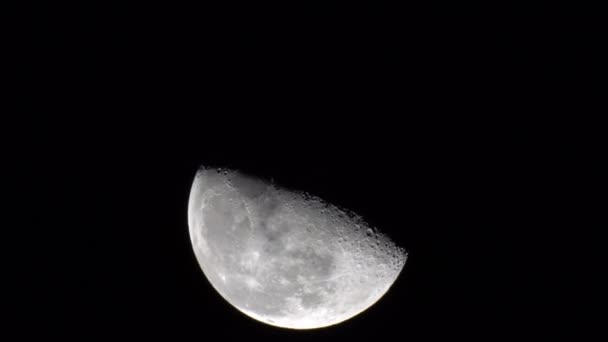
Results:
[283, 257]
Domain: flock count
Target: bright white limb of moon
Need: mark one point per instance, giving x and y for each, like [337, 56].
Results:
[285, 258]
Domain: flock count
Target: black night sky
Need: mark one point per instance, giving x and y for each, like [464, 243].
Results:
[424, 121]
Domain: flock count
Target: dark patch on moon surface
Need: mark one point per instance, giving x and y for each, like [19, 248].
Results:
[249, 187]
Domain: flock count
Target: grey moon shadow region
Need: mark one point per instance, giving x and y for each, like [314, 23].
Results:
[283, 257]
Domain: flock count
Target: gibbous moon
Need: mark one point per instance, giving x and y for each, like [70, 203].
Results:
[286, 258]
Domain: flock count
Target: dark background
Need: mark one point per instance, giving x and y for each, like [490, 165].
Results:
[457, 133]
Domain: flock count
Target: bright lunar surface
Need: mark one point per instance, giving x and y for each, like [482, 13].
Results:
[286, 258]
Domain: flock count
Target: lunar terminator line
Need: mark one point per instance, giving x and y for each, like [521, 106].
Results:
[286, 258]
